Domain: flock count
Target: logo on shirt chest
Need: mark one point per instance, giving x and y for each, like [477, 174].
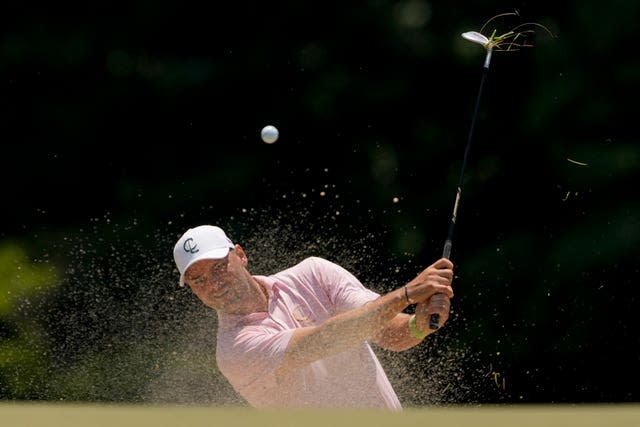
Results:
[301, 314]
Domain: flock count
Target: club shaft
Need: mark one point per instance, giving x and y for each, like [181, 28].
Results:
[434, 319]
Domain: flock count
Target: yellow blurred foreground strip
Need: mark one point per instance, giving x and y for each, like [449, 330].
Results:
[78, 415]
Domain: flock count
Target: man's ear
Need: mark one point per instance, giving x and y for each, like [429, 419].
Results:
[240, 253]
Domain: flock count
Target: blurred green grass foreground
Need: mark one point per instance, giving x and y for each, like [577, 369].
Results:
[52, 415]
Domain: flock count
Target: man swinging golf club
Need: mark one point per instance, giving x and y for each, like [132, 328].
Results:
[300, 338]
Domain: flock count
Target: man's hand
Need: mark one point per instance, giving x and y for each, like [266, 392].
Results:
[437, 304]
[435, 279]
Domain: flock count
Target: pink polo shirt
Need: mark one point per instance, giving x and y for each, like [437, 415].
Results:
[250, 348]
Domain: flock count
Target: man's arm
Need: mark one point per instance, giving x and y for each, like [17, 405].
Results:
[367, 322]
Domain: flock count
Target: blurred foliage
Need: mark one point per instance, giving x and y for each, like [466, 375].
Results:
[125, 124]
[23, 344]
[20, 278]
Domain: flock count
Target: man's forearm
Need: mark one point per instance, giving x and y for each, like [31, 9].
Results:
[343, 331]
[396, 336]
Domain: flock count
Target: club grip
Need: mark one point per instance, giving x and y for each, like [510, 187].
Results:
[434, 321]
[446, 252]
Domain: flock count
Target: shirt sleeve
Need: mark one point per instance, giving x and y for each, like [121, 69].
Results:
[344, 290]
[249, 362]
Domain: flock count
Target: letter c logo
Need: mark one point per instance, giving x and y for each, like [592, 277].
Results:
[190, 247]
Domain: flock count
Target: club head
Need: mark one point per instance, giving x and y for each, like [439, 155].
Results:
[476, 37]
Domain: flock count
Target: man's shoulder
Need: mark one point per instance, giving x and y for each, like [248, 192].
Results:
[312, 268]
[314, 262]
[317, 269]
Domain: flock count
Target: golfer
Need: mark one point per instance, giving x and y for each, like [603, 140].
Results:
[300, 338]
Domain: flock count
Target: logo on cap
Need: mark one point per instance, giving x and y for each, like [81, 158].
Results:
[187, 246]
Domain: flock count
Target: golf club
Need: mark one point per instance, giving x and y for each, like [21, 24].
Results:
[475, 37]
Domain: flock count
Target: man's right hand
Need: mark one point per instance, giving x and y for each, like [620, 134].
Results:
[435, 279]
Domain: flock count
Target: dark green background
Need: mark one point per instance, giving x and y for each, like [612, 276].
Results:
[123, 124]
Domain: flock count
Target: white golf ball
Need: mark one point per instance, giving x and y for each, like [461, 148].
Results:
[269, 134]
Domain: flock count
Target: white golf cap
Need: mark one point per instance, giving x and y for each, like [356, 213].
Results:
[203, 242]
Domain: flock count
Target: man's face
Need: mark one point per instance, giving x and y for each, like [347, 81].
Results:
[222, 284]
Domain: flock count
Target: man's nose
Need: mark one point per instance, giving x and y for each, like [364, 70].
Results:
[215, 281]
